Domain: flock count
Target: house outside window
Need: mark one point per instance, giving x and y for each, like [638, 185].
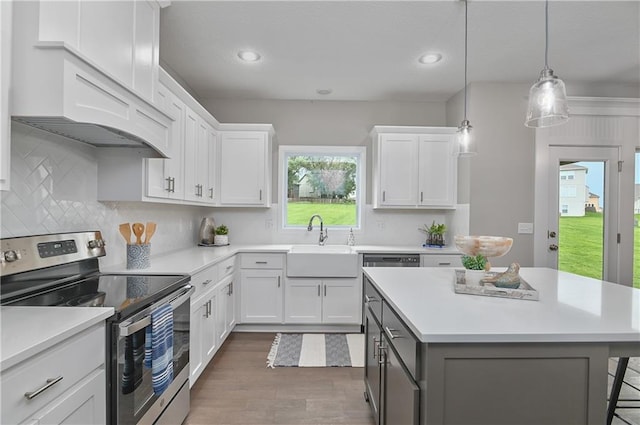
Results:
[324, 180]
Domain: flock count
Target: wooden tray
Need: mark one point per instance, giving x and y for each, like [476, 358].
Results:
[523, 292]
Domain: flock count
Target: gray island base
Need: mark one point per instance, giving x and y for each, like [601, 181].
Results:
[436, 357]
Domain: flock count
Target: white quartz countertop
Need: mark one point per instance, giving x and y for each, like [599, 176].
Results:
[571, 308]
[26, 331]
[193, 260]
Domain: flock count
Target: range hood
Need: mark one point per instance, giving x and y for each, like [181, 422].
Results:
[58, 90]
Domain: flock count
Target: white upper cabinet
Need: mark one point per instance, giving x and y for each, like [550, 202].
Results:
[414, 167]
[120, 37]
[245, 168]
[165, 177]
[5, 82]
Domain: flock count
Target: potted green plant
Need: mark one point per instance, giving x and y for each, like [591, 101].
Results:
[475, 266]
[222, 235]
[435, 234]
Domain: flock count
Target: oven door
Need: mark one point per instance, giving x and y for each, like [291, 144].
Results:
[133, 399]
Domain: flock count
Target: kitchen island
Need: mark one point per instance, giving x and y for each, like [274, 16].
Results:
[467, 359]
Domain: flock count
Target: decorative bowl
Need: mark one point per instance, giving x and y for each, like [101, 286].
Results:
[489, 246]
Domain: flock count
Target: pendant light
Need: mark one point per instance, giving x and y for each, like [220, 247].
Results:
[548, 104]
[466, 142]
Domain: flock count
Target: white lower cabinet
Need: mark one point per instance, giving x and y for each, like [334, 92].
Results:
[66, 383]
[314, 301]
[212, 315]
[225, 311]
[261, 296]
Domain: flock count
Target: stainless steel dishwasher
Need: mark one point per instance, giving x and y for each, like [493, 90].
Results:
[391, 260]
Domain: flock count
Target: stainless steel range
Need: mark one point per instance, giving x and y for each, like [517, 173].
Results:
[62, 270]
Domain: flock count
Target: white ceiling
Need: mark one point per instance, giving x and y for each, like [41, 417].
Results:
[368, 50]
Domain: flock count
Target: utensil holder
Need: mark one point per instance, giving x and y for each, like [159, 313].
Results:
[138, 256]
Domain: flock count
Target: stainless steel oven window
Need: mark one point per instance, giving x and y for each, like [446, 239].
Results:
[133, 380]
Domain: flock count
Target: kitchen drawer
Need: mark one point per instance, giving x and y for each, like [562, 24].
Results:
[72, 359]
[441, 260]
[373, 300]
[261, 261]
[402, 339]
[226, 267]
[203, 280]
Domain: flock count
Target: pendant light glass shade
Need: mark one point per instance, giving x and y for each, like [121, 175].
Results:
[466, 142]
[548, 103]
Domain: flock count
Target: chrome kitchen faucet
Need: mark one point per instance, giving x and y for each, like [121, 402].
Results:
[323, 234]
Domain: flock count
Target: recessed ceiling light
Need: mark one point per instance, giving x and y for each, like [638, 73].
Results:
[248, 56]
[430, 58]
[324, 91]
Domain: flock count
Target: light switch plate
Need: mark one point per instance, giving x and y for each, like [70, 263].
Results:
[525, 228]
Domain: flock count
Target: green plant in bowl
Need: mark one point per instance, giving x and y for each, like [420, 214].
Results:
[222, 230]
[474, 262]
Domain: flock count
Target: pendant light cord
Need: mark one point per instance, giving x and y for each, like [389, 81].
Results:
[465, 59]
[546, 33]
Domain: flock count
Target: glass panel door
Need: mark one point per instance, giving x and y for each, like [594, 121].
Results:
[636, 225]
[583, 211]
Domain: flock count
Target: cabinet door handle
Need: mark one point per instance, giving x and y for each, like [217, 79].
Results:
[231, 288]
[421, 197]
[382, 354]
[325, 290]
[318, 290]
[50, 383]
[261, 194]
[209, 307]
[384, 195]
[168, 189]
[369, 299]
[278, 281]
[375, 347]
[211, 192]
[172, 184]
[391, 334]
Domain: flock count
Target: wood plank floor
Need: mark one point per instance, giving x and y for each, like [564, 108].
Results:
[238, 388]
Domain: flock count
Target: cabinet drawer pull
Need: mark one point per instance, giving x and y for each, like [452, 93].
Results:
[206, 282]
[369, 299]
[391, 334]
[444, 264]
[50, 383]
[261, 262]
[228, 267]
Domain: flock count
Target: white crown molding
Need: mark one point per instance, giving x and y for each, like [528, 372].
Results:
[617, 106]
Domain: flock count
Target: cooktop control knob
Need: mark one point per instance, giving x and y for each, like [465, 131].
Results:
[96, 243]
[10, 256]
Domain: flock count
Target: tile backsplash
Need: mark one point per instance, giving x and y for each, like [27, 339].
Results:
[54, 184]
[53, 189]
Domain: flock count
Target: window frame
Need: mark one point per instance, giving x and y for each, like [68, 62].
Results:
[285, 151]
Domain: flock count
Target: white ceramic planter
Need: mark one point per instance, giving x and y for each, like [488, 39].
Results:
[221, 240]
[473, 277]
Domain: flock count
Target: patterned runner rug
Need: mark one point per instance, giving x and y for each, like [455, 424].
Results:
[317, 350]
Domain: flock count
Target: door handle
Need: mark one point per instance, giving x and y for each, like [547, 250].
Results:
[128, 328]
[553, 247]
[391, 334]
[50, 383]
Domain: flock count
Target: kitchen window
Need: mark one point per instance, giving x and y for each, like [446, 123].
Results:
[324, 180]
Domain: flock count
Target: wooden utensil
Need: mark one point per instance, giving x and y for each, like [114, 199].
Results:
[125, 231]
[149, 231]
[138, 230]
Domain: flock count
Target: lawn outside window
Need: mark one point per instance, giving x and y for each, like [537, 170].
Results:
[324, 180]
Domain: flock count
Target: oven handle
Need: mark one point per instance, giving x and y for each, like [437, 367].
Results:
[127, 329]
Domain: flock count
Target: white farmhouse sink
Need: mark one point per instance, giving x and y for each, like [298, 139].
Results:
[322, 261]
